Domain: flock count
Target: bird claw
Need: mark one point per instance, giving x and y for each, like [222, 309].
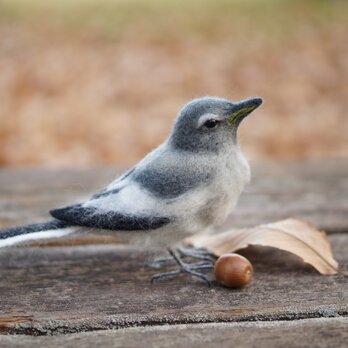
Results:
[200, 254]
[188, 268]
[165, 275]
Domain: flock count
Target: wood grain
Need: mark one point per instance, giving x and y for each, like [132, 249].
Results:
[64, 290]
[319, 333]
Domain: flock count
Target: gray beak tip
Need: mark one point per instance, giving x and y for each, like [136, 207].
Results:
[257, 101]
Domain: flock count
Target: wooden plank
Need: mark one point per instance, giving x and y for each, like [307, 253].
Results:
[317, 333]
[317, 191]
[67, 290]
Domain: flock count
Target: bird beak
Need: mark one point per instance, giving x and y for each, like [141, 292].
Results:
[243, 109]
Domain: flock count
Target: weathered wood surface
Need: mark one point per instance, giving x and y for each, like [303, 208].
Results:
[65, 290]
[319, 333]
[317, 191]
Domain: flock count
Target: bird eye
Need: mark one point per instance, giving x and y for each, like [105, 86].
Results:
[211, 123]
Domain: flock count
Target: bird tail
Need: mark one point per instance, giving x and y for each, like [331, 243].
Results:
[45, 230]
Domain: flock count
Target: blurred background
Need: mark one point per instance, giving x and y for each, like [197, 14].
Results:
[94, 82]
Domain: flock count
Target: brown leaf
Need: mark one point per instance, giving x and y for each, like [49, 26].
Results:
[293, 235]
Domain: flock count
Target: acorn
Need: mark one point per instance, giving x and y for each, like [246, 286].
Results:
[233, 270]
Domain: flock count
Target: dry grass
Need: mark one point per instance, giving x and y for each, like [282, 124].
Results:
[95, 82]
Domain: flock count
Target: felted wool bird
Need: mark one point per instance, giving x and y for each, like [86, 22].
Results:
[188, 184]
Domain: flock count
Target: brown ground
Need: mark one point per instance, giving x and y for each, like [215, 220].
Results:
[103, 84]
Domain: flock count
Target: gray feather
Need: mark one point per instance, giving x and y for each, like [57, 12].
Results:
[111, 220]
[172, 181]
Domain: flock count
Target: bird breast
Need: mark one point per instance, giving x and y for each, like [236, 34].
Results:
[232, 174]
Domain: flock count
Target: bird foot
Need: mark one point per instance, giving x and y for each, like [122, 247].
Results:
[163, 261]
[189, 268]
[184, 252]
[199, 254]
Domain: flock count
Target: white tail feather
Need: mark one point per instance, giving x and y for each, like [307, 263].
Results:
[57, 233]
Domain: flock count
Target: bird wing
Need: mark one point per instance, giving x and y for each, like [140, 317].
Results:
[136, 201]
[111, 220]
[170, 175]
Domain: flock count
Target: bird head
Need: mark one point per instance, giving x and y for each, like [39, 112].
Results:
[210, 124]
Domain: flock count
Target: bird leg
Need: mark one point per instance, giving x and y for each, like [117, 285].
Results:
[160, 262]
[190, 268]
[199, 254]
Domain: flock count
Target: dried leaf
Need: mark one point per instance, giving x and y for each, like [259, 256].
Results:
[293, 235]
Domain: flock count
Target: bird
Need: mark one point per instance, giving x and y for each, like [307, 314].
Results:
[188, 184]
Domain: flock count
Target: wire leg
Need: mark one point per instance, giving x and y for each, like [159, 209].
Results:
[200, 254]
[185, 268]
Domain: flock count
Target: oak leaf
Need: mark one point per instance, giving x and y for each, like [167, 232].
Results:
[294, 235]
